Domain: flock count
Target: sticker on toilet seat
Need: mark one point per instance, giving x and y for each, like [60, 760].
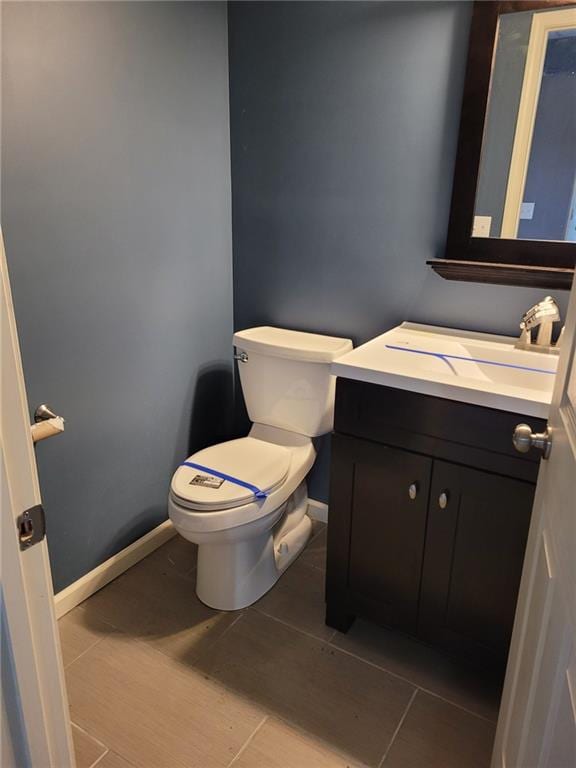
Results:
[208, 481]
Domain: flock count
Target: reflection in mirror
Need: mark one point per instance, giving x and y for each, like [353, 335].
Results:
[527, 181]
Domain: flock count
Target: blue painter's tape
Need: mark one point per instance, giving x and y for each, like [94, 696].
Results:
[442, 356]
[258, 493]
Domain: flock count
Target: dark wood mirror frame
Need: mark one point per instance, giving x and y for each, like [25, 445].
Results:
[537, 263]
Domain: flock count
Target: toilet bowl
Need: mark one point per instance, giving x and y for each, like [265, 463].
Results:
[244, 502]
[243, 547]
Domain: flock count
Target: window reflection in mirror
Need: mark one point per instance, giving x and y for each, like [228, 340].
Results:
[527, 180]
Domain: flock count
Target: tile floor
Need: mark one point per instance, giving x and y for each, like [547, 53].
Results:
[158, 680]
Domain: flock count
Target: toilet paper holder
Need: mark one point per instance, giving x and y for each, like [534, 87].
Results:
[46, 424]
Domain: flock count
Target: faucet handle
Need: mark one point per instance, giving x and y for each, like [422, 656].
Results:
[542, 316]
[550, 309]
[526, 335]
[546, 310]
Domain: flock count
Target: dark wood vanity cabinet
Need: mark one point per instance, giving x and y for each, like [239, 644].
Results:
[386, 550]
[429, 513]
[473, 559]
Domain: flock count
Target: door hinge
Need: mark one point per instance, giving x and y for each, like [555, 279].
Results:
[31, 526]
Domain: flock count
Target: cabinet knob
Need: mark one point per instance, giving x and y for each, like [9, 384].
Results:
[443, 500]
[413, 490]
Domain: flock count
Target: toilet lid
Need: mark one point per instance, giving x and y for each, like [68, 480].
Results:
[261, 464]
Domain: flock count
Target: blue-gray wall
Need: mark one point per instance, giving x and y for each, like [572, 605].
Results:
[116, 218]
[344, 120]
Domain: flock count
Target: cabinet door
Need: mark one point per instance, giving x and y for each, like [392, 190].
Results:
[388, 523]
[477, 529]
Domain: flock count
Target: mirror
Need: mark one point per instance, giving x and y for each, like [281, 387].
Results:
[527, 178]
[513, 211]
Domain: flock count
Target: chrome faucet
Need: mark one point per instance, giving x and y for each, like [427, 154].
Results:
[542, 316]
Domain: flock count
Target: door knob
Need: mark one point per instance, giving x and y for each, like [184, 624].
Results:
[413, 490]
[443, 500]
[523, 439]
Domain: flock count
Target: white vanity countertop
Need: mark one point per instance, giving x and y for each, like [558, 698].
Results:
[477, 368]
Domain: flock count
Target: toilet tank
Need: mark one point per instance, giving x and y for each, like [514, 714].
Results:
[286, 380]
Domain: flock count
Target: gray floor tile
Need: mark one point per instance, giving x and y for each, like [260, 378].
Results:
[298, 599]
[154, 603]
[112, 760]
[436, 734]
[78, 633]
[332, 696]
[315, 552]
[276, 745]
[199, 701]
[423, 666]
[178, 555]
[154, 711]
[87, 749]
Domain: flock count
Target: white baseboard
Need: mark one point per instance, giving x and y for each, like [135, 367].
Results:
[91, 582]
[103, 574]
[317, 510]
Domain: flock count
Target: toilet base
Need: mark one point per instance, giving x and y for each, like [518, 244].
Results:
[232, 574]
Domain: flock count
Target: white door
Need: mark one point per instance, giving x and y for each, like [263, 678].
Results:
[537, 724]
[35, 718]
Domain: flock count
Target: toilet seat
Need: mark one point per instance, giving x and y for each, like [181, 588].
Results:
[273, 445]
[261, 464]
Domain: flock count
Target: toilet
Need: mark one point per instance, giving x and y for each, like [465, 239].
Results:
[244, 502]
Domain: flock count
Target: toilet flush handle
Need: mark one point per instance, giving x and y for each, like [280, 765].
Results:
[241, 356]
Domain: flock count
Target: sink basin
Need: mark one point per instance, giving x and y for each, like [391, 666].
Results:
[477, 368]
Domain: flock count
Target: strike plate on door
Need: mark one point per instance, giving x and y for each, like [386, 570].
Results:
[31, 526]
